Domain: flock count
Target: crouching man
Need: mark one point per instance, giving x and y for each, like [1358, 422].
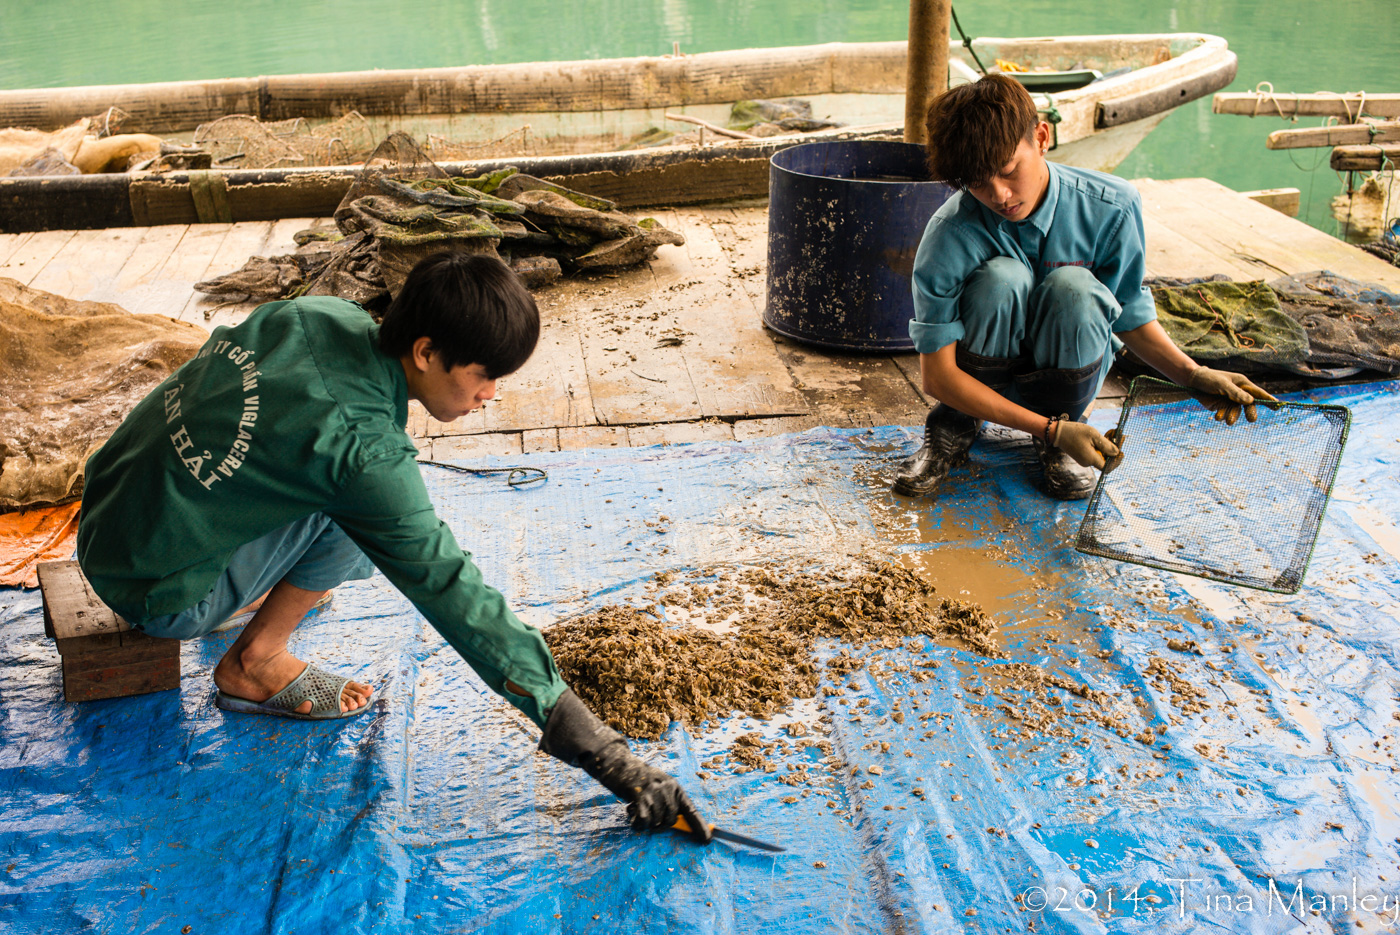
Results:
[274, 465]
[1026, 283]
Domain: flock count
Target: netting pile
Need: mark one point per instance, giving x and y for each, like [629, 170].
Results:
[70, 371]
[404, 207]
[1235, 503]
[240, 141]
[1347, 322]
[753, 118]
[1299, 324]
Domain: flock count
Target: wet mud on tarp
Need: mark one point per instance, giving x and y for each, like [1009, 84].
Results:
[433, 813]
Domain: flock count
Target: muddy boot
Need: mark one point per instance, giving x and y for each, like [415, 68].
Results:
[1051, 392]
[1063, 477]
[948, 434]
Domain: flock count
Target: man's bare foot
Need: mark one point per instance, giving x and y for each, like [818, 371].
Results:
[259, 679]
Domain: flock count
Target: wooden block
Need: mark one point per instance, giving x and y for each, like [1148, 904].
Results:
[141, 664]
[1365, 158]
[103, 657]
[1317, 104]
[1283, 200]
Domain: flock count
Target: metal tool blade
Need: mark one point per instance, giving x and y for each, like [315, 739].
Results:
[683, 827]
[733, 838]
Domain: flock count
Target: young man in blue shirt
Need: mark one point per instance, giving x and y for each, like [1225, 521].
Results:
[1026, 283]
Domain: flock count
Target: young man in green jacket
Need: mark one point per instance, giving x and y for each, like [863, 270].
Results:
[1026, 283]
[276, 463]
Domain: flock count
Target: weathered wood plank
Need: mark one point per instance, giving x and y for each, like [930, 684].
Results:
[750, 429]
[29, 258]
[1257, 233]
[581, 86]
[470, 447]
[9, 243]
[129, 670]
[159, 274]
[189, 261]
[732, 362]
[72, 610]
[1365, 158]
[534, 441]
[842, 389]
[1170, 253]
[243, 240]
[1181, 210]
[139, 280]
[87, 266]
[908, 365]
[1338, 135]
[679, 433]
[103, 657]
[634, 375]
[593, 436]
[1320, 104]
[1285, 201]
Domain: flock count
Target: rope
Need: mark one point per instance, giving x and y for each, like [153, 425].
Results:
[967, 43]
[515, 476]
[1260, 96]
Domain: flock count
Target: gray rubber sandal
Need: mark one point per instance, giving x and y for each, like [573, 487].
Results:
[318, 686]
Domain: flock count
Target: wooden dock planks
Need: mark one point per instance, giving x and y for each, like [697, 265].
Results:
[1239, 231]
[673, 351]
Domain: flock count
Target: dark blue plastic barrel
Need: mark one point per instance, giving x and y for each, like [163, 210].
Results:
[844, 221]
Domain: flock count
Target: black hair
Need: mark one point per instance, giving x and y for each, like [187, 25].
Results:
[472, 308]
[974, 129]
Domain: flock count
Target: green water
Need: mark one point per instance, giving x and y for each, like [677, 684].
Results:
[1298, 45]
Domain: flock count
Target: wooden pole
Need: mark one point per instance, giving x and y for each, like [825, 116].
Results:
[927, 75]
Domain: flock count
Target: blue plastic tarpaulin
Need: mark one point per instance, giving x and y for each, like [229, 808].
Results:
[1271, 810]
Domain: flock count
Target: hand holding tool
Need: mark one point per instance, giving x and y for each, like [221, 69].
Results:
[577, 736]
[684, 827]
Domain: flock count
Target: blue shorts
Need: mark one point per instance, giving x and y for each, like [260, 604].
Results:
[313, 553]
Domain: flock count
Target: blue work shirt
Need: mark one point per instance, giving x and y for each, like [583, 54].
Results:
[1087, 219]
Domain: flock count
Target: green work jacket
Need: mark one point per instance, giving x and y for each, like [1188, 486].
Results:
[292, 412]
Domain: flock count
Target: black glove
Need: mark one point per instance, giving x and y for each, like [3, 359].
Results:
[654, 800]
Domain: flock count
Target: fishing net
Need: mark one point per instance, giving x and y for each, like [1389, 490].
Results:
[240, 141]
[1242, 322]
[1237, 503]
[403, 207]
[1317, 324]
[70, 371]
[1347, 322]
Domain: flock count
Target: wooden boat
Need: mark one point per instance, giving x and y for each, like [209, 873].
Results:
[573, 118]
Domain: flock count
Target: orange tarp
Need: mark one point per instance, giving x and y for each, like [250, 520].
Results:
[29, 537]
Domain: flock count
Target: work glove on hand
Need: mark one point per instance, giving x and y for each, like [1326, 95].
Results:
[1227, 394]
[1084, 443]
[654, 800]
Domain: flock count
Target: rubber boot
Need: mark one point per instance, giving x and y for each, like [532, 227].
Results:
[1070, 394]
[1062, 477]
[948, 435]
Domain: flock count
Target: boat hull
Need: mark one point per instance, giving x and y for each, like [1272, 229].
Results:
[568, 121]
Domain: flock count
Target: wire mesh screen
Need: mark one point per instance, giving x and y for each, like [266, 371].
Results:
[1235, 503]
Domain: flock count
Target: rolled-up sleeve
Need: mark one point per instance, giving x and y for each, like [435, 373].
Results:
[948, 254]
[1121, 266]
[386, 511]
